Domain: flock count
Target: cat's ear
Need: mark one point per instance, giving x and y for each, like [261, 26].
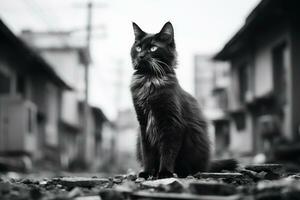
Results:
[138, 32]
[167, 32]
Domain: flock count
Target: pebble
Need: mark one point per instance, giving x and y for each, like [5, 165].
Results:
[88, 198]
[131, 177]
[81, 181]
[74, 192]
[183, 196]
[275, 168]
[5, 187]
[218, 175]
[212, 188]
[117, 180]
[43, 182]
[110, 194]
[139, 180]
[162, 182]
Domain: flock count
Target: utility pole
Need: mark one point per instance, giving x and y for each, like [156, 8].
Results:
[87, 133]
[88, 139]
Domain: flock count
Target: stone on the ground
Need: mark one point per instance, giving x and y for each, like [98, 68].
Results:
[212, 188]
[88, 198]
[286, 188]
[117, 180]
[218, 175]
[5, 187]
[167, 184]
[131, 177]
[81, 181]
[111, 194]
[257, 182]
[139, 180]
[184, 196]
[12, 164]
[275, 168]
[295, 176]
[75, 192]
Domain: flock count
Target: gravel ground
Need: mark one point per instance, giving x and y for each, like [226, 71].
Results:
[262, 182]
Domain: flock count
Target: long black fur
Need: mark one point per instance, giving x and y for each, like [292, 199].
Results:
[173, 132]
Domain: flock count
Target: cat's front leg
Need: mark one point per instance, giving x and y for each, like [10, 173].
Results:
[150, 160]
[168, 153]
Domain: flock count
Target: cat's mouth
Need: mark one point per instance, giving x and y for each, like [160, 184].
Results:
[151, 66]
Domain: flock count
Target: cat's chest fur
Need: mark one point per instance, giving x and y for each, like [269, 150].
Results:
[143, 89]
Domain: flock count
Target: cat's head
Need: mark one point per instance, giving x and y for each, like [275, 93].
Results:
[154, 54]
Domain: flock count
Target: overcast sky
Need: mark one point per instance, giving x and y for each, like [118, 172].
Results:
[201, 27]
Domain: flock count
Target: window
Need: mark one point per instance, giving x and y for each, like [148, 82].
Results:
[240, 121]
[4, 83]
[223, 99]
[280, 59]
[243, 82]
[21, 85]
[30, 125]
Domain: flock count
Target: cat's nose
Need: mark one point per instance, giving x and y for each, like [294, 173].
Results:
[142, 55]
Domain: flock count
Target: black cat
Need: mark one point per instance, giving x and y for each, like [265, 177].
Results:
[173, 136]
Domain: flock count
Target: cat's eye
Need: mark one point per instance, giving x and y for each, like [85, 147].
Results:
[153, 48]
[138, 49]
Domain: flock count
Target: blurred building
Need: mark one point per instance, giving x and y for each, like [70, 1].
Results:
[204, 69]
[127, 126]
[68, 57]
[126, 130]
[264, 98]
[30, 99]
[211, 84]
[41, 109]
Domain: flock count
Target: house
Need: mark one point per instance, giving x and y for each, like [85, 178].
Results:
[99, 126]
[125, 135]
[211, 82]
[221, 80]
[264, 98]
[30, 100]
[68, 57]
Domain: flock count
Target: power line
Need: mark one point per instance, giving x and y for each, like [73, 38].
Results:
[34, 8]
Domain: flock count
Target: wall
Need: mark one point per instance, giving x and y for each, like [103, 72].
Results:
[263, 72]
[17, 115]
[241, 141]
[263, 67]
[8, 71]
[264, 79]
[295, 80]
[66, 63]
[243, 60]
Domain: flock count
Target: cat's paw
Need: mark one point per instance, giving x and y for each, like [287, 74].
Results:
[165, 174]
[144, 174]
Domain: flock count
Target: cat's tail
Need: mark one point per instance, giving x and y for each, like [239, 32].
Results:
[226, 164]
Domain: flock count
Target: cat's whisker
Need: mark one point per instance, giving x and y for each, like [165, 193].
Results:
[164, 64]
[161, 72]
[159, 67]
[154, 67]
[157, 62]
